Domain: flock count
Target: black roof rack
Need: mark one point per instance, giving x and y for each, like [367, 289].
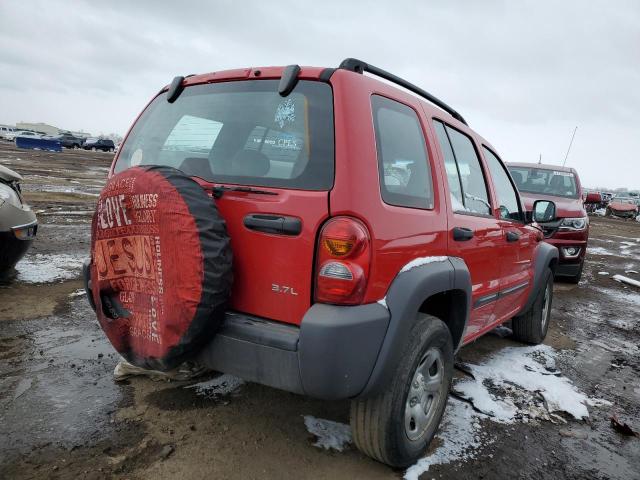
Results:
[359, 66]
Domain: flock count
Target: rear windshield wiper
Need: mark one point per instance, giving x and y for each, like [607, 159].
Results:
[219, 190]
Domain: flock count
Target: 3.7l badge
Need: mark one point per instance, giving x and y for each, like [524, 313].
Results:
[283, 289]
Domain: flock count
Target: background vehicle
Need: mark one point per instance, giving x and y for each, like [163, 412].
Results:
[4, 131]
[104, 144]
[624, 207]
[373, 235]
[18, 224]
[22, 133]
[570, 232]
[69, 141]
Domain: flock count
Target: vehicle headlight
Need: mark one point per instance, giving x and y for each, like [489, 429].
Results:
[8, 194]
[574, 223]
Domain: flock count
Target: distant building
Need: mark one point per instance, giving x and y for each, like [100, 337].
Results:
[38, 127]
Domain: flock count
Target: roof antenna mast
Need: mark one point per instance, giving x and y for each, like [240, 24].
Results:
[570, 143]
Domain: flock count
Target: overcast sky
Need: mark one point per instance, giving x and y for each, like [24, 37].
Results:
[522, 73]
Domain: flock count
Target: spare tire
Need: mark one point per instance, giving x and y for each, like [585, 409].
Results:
[161, 266]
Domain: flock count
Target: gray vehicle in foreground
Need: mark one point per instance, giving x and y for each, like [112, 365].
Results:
[18, 223]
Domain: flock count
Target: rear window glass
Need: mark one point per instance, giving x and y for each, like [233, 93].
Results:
[240, 133]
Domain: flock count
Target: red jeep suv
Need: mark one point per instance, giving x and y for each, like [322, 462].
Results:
[320, 231]
[570, 231]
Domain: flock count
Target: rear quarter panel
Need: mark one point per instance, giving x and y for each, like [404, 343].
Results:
[398, 234]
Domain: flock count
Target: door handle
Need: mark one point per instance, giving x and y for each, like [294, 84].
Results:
[462, 234]
[513, 236]
[278, 224]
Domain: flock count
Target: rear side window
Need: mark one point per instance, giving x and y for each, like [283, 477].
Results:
[507, 196]
[240, 133]
[403, 163]
[469, 192]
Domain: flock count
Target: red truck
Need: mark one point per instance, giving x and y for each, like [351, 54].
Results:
[334, 232]
[570, 230]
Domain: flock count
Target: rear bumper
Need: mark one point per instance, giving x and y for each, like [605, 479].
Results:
[331, 356]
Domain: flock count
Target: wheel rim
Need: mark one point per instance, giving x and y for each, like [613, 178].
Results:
[546, 302]
[424, 394]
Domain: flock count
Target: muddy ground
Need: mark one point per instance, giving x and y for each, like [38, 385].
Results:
[63, 416]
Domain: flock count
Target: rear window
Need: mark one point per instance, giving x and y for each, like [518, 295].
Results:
[240, 133]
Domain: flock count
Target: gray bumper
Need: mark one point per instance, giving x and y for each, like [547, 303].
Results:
[331, 355]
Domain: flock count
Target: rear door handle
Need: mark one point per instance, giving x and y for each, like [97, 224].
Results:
[462, 234]
[278, 224]
[513, 236]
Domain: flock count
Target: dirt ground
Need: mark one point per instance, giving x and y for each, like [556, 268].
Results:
[63, 416]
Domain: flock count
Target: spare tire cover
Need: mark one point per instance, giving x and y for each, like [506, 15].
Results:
[161, 266]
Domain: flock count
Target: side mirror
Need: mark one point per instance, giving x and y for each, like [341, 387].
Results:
[544, 211]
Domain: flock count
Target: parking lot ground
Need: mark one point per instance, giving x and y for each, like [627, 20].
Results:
[62, 415]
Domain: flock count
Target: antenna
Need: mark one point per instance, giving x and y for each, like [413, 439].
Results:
[570, 143]
[540, 159]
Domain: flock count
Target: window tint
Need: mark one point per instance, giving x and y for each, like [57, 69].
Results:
[471, 188]
[507, 196]
[240, 132]
[403, 164]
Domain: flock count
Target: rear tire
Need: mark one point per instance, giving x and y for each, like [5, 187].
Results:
[396, 426]
[532, 326]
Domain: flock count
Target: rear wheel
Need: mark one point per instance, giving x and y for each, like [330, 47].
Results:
[532, 326]
[396, 426]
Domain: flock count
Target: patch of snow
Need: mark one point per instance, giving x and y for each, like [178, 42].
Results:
[506, 387]
[222, 385]
[418, 262]
[461, 439]
[599, 251]
[522, 373]
[23, 385]
[603, 273]
[78, 293]
[631, 272]
[383, 302]
[519, 374]
[46, 268]
[601, 212]
[330, 435]
[627, 280]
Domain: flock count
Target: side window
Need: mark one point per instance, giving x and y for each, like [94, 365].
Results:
[507, 196]
[471, 187]
[403, 163]
[453, 177]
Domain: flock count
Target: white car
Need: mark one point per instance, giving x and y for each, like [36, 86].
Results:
[4, 131]
[22, 133]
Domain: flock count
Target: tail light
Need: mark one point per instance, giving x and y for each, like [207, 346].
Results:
[343, 258]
